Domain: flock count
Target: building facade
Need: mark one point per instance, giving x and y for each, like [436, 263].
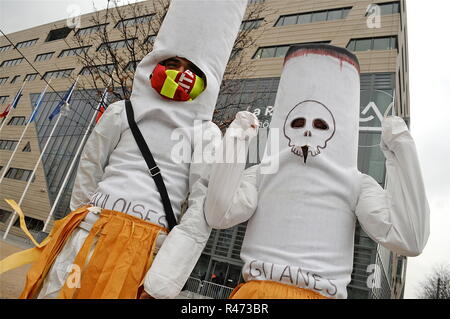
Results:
[376, 31]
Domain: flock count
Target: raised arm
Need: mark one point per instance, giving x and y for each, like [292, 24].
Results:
[94, 158]
[232, 192]
[398, 217]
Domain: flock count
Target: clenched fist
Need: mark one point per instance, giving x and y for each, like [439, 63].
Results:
[245, 125]
[394, 132]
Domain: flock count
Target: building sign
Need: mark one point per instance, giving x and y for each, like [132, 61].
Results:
[375, 105]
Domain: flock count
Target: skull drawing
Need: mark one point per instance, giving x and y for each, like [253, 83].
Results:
[308, 127]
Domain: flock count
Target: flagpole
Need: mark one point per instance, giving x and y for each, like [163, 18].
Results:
[34, 171]
[10, 110]
[72, 165]
[5, 169]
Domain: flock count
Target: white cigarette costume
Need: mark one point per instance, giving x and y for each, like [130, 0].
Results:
[112, 172]
[302, 218]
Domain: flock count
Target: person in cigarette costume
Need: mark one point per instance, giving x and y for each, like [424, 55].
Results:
[107, 244]
[301, 219]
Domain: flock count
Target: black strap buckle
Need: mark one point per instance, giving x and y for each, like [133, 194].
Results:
[154, 171]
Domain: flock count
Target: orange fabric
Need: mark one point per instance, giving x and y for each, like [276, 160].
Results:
[272, 290]
[119, 259]
[54, 243]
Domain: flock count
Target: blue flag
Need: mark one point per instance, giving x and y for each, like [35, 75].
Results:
[37, 105]
[65, 100]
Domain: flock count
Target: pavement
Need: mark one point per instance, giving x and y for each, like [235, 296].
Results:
[13, 281]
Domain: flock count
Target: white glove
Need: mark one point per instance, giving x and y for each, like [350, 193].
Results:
[245, 125]
[394, 131]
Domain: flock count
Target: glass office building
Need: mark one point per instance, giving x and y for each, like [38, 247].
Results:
[382, 50]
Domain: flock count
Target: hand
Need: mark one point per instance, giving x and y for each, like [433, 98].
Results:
[392, 128]
[245, 125]
[145, 295]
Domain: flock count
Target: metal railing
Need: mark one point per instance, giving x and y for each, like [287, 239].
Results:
[207, 289]
[383, 291]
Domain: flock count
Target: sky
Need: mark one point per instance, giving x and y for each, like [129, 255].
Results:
[429, 68]
[430, 114]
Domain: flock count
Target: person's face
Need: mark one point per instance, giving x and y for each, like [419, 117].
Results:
[181, 65]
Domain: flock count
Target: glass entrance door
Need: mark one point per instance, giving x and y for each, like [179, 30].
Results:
[225, 274]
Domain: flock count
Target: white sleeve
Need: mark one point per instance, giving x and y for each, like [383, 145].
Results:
[94, 158]
[183, 246]
[398, 217]
[232, 193]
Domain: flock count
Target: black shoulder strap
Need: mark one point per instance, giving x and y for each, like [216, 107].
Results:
[153, 168]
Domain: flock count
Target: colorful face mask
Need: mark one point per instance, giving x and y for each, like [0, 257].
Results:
[176, 85]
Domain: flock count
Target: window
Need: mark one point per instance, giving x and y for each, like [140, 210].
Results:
[290, 20]
[3, 80]
[31, 77]
[268, 53]
[304, 18]
[25, 44]
[58, 34]
[14, 79]
[316, 16]
[250, 24]
[319, 16]
[386, 8]
[235, 53]
[33, 224]
[19, 174]
[57, 74]
[363, 45]
[105, 68]
[381, 43]
[89, 30]
[116, 44]
[369, 44]
[334, 15]
[281, 51]
[4, 215]
[44, 56]
[3, 98]
[278, 51]
[74, 51]
[338, 14]
[27, 148]
[131, 66]
[7, 145]
[17, 120]
[150, 39]
[11, 62]
[133, 21]
[389, 8]
[5, 48]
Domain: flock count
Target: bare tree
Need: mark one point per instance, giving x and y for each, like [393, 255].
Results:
[436, 285]
[118, 51]
[238, 65]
